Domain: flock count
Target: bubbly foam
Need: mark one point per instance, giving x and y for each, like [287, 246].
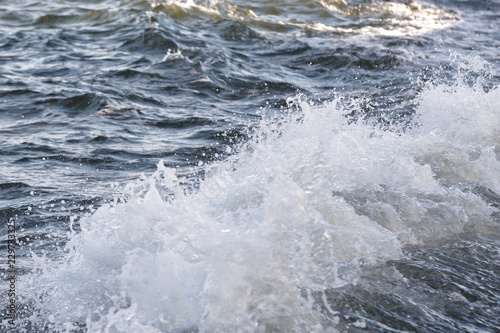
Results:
[312, 197]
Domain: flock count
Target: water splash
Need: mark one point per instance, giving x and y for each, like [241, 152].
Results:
[300, 208]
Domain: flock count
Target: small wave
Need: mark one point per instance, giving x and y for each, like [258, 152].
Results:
[378, 18]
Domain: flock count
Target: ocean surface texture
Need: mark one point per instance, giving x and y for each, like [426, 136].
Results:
[250, 166]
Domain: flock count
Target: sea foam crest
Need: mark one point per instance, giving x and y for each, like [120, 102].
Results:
[302, 206]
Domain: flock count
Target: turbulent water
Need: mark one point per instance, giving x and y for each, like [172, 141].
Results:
[227, 166]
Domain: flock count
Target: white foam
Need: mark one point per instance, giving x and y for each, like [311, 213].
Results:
[171, 55]
[301, 205]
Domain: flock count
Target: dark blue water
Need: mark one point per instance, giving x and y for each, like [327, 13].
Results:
[276, 166]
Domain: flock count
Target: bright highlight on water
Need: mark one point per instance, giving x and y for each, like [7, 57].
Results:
[221, 166]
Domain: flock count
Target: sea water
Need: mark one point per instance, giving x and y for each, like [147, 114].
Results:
[280, 166]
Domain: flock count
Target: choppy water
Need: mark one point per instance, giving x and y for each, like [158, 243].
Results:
[275, 166]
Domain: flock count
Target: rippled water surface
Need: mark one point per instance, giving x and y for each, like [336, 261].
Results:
[273, 166]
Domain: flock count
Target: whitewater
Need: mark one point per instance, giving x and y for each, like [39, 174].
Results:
[309, 201]
[218, 166]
